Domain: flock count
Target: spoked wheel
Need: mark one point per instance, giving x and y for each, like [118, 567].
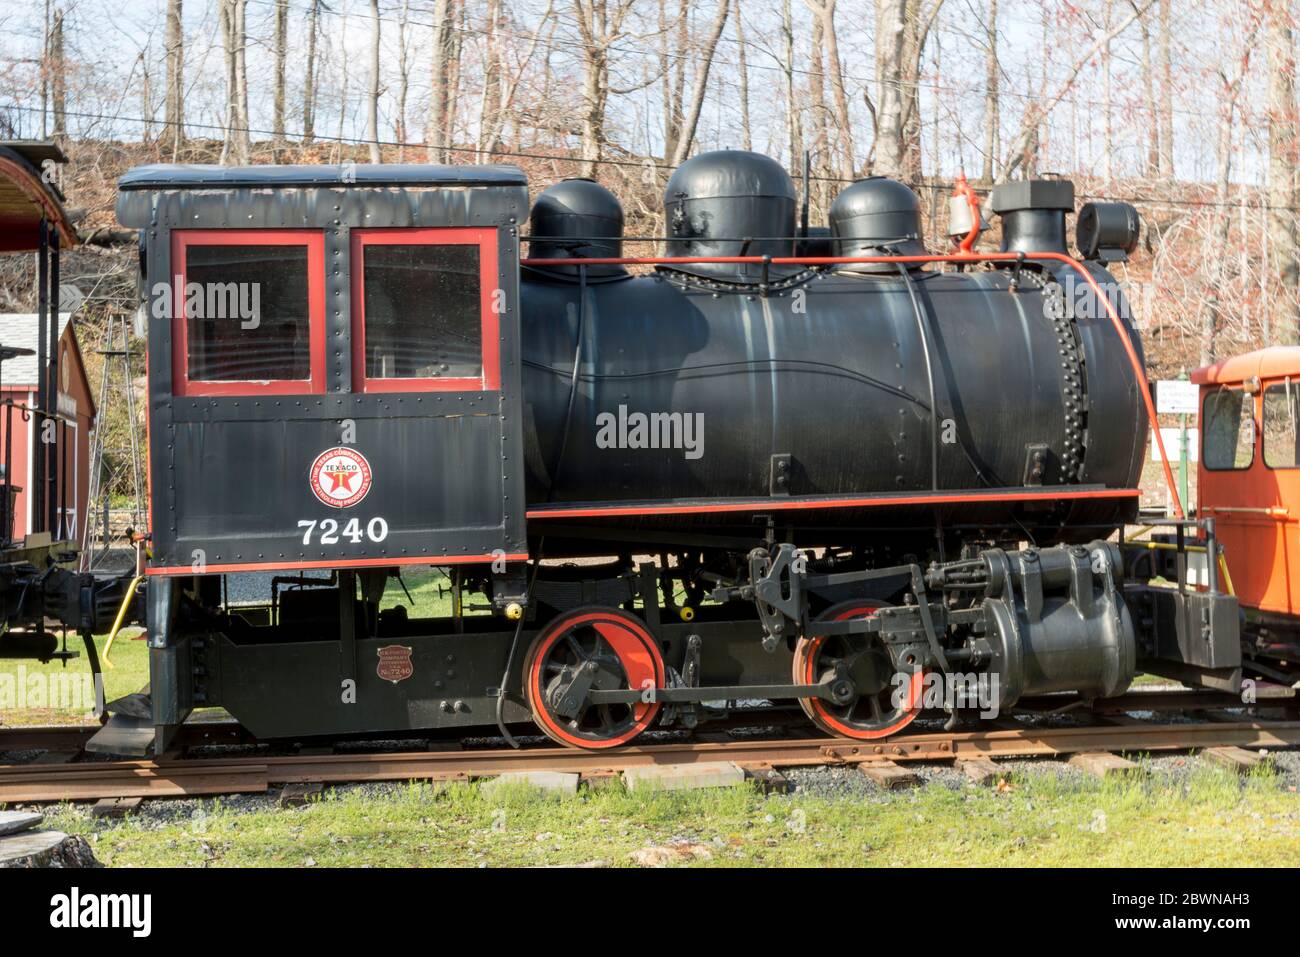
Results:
[863, 659]
[592, 649]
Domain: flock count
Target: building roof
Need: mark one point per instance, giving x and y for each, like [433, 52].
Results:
[1270, 363]
[19, 329]
[180, 176]
[27, 196]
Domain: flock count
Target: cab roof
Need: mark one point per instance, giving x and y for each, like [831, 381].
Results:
[178, 176]
[1271, 363]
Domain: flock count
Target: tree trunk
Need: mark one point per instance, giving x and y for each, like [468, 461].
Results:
[438, 136]
[794, 129]
[1166, 120]
[490, 100]
[174, 110]
[146, 97]
[891, 37]
[309, 82]
[372, 99]
[992, 118]
[1149, 100]
[1218, 251]
[1282, 152]
[281, 43]
[672, 66]
[824, 12]
[236, 147]
[403, 79]
[701, 84]
[1107, 139]
[58, 79]
[746, 137]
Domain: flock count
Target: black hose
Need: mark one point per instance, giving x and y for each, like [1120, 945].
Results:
[929, 375]
[573, 384]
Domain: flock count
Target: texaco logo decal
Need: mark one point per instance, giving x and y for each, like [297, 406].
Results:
[340, 477]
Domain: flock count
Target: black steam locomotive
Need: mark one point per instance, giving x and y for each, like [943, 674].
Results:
[777, 463]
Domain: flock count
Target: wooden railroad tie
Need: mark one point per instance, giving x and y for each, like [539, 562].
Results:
[769, 780]
[979, 770]
[1234, 758]
[888, 775]
[298, 795]
[1103, 764]
[115, 807]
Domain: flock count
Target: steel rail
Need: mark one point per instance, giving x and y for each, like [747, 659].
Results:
[172, 777]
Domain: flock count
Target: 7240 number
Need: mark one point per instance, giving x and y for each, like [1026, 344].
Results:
[329, 532]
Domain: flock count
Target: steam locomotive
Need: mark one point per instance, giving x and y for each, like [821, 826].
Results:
[779, 462]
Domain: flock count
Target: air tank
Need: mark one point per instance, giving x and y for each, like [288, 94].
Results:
[577, 218]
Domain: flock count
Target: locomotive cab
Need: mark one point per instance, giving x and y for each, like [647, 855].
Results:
[340, 365]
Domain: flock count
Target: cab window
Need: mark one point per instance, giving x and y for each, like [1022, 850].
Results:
[424, 315]
[1228, 430]
[1281, 410]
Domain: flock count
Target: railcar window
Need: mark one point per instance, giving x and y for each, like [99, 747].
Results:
[423, 312]
[1281, 410]
[249, 319]
[1228, 429]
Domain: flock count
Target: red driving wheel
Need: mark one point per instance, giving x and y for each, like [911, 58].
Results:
[619, 653]
[876, 711]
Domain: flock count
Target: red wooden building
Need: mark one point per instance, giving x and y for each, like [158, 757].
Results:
[68, 436]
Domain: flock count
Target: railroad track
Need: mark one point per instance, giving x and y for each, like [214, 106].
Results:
[176, 776]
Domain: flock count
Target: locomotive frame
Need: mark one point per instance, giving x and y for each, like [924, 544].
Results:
[776, 605]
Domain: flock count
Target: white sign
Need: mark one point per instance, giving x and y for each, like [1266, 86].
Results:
[1176, 397]
[1171, 440]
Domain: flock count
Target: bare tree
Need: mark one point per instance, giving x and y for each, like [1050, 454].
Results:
[1282, 152]
[794, 129]
[309, 80]
[746, 136]
[1216, 248]
[601, 24]
[701, 84]
[824, 12]
[992, 118]
[1037, 112]
[492, 124]
[403, 77]
[902, 27]
[372, 100]
[281, 44]
[58, 78]
[1149, 101]
[1166, 121]
[174, 110]
[673, 54]
[236, 147]
[146, 95]
[446, 53]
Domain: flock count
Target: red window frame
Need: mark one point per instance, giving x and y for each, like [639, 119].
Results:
[485, 238]
[314, 240]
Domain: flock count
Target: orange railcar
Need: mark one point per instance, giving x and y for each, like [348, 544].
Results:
[1249, 482]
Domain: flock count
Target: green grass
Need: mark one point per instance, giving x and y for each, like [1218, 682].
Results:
[129, 673]
[1210, 818]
